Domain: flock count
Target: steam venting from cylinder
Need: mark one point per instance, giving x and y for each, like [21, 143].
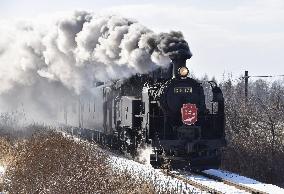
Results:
[66, 57]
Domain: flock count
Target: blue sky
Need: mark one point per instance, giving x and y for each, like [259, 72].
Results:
[225, 36]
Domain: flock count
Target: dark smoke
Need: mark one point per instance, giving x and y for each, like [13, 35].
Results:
[173, 45]
[75, 51]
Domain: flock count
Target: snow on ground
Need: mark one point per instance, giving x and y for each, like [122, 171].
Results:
[2, 170]
[218, 186]
[122, 164]
[268, 188]
[162, 181]
[167, 183]
[154, 176]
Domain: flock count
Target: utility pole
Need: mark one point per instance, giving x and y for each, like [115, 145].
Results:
[246, 77]
[246, 86]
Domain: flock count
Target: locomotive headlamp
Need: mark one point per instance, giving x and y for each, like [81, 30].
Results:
[183, 71]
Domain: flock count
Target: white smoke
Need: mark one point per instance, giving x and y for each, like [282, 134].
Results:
[144, 155]
[39, 66]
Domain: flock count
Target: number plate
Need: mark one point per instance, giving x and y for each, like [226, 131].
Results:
[181, 90]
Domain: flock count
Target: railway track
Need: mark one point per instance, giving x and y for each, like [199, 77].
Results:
[239, 188]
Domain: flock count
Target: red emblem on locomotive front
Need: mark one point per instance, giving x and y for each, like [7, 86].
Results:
[189, 114]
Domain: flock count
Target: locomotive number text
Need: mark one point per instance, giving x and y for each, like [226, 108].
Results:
[182, 90]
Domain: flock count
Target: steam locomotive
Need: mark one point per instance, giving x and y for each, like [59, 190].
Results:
[166, 110]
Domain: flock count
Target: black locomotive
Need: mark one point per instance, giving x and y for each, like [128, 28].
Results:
[165, 109]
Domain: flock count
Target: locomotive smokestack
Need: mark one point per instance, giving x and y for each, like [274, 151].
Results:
[179, 61]
[174, 45]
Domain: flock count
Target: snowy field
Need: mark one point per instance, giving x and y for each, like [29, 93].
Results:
[155, 176]
[268, 188]
[165, 183]
[2, 171]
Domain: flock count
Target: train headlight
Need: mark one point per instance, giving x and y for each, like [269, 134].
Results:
[183, 71]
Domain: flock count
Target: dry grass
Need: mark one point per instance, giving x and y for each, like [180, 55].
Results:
[51, 163]
[6, 155]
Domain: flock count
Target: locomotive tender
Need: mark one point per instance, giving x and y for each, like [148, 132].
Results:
[165, 109]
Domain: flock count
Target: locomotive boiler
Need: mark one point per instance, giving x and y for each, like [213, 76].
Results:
[166, 110]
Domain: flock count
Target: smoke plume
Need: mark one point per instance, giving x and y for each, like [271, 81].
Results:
[40, 65]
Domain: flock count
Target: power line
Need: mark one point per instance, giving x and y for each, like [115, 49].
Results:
[262, 76]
